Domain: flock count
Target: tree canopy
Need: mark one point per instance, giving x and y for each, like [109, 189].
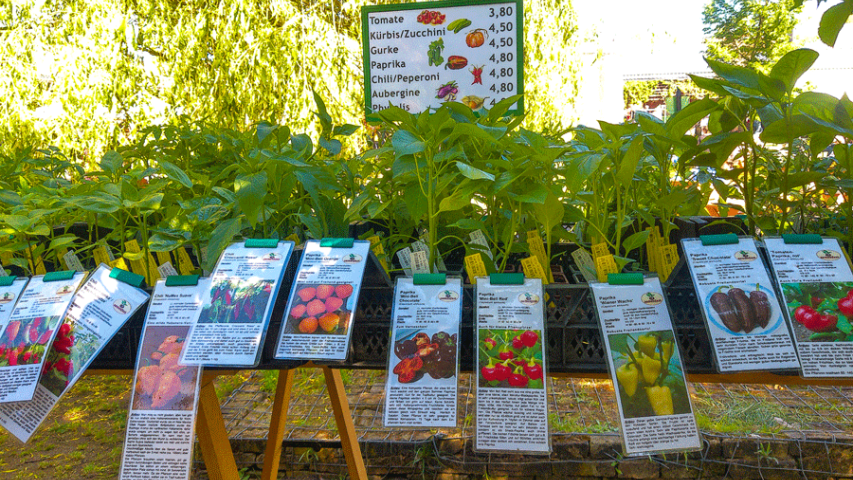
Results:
[750, 33]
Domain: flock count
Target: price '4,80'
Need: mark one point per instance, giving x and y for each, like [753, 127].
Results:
[502, 87]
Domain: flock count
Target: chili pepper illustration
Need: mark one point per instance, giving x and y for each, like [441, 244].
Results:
[478, 74]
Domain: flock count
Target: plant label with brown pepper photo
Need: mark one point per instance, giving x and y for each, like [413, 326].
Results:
[817, 288]
[645, 365]
[323, 299]
[423, 364]
[237, 306]
[742, 313]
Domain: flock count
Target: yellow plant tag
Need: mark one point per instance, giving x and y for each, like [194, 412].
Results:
[537, 248]
[533, 269]
[604, 265]
[38, 268]
[131, 246]
[163, 257]
[120, 263]
[652, 248]
[475, 267]
[378, 250]
[61, 254]
[102, 255]
[600, 250]
[293, 238]
[185, 264]
[668, 255]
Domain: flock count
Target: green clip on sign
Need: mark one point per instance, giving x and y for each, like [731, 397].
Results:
[506, 279]
[7, 281]
[722, 239]
[634, 278]
[56, 276]
[337, 242]
[182, 280]
[429, 279]
[802, 239]
[420, 55]
[129, 278]
[261, 243]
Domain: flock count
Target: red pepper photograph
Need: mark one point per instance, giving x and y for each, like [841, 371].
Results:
[24, 342]
[510, 358]
[234, 300]
[162, 383]
[420, 354]
[72, 348]
[820, 312]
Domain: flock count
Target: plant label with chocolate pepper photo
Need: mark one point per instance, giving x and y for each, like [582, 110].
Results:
[318, 318]
[816, 282]
[512, 393]
[742, 312]
[423, 365]
[645, 365]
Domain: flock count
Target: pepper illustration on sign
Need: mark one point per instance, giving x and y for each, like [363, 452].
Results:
[511, 359]
[320, 309]
[478, 78]
[649, 377]
[820, 312]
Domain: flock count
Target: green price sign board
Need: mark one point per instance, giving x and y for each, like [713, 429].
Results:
[419, 55]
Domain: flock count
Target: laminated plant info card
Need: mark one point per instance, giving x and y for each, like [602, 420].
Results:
[743, 315]
[161, 423]
[9, 295]
[646, 368]
[237, 307]
[98, 311]
[817, 285]
[512, 408]
[317, 323]
[29, 333]
[423, 364]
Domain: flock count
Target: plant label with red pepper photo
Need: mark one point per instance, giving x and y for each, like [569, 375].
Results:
[29, 332]
[9, 296]
[237, 305]
[63, 349]
[417, 59]
[512, 385]
[423, 364]
[817, 285]
[645, 365]
[323, 299]
[742, 313]
[165, 392]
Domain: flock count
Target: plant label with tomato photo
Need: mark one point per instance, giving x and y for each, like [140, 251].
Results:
[237, 306]
[817, 285]
[645, 365]
[417, 58]
[423, 364]
[165, 392]
[742, 313]
[512, 393]
[318, 319]
[99, 309]
[29, 333]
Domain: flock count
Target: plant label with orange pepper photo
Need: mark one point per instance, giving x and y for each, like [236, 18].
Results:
[655, 411]
[321, 308]
[423, 363]
[237, 305]
[817, 285]
[63, 346]
[742, 313]
[512, 385]
[165, 392]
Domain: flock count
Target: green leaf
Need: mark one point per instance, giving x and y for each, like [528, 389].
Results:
[785, 130]
[175, 173]
[406, 143]
[794, 64]
[62, 241]
[635, 241]
[843, 325]
[251, 190]
[345, 130]
[474, 173]
[684, 120]
[19, 223]
[101, 203]
[454, 202]
[302, 145]
[264, 129]
[500, 108]
[220, 238]
[534, 194]
[333, 146]
[628, 167]
[832, 20]
[111, 162]
[738, 75]
[549, 213]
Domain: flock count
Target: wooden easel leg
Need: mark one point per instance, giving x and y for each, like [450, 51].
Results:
[212, 436]
[272, 453]
[346, 428]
